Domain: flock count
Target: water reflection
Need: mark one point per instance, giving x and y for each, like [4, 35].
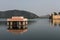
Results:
[31, 22]
[55, 22]
[17, 30]
[21, 31]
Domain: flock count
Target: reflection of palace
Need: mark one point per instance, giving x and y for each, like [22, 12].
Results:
[17, 31]
[55, 22]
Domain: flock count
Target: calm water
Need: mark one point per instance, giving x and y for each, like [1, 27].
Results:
[39, 29]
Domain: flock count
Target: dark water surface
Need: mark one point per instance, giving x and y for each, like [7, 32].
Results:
[40, 29]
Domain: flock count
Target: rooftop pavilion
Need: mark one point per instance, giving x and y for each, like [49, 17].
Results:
[17, 18]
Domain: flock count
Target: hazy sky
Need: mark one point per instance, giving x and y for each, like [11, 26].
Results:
[39, 7]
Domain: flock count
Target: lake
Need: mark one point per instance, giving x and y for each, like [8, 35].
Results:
[38, 29]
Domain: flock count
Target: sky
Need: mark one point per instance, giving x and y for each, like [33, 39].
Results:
[38, 7]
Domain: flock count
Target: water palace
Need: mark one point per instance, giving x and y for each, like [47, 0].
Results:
[17, 22]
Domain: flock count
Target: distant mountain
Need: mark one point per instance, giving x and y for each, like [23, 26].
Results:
[45, 16]
[10, 13]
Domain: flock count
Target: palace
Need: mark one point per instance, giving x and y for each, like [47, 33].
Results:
[17, 22]
[56, 16]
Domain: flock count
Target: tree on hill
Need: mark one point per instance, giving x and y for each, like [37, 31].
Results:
[55, 13]
[59, 13]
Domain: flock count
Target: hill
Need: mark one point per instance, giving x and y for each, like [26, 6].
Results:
[10, 13]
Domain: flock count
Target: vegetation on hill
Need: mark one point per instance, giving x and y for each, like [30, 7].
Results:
[10, 13]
